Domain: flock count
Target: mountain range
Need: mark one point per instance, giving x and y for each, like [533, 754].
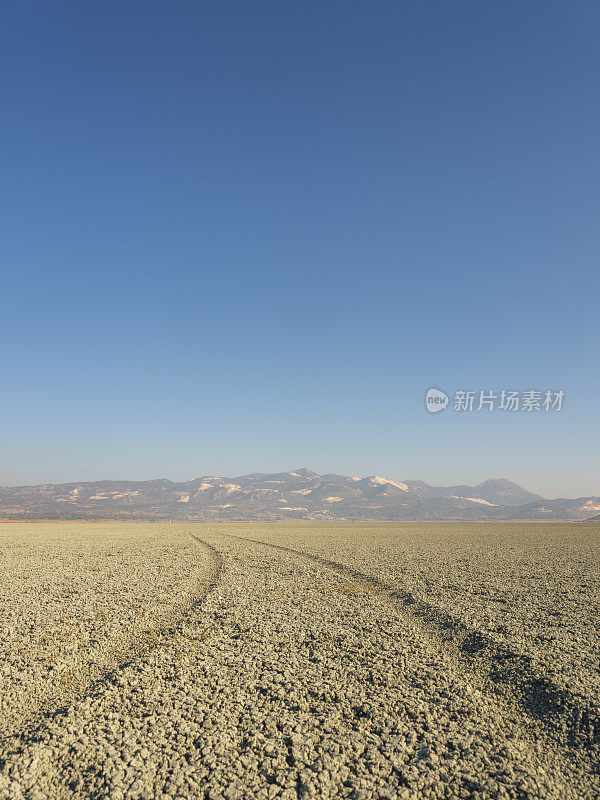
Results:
[289, 496]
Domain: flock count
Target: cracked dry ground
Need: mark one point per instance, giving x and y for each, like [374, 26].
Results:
[247, 661]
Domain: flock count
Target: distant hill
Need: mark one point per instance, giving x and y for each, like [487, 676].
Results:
[497, 491]
[297, 495]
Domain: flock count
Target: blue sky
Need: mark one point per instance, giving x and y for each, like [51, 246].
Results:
[249, 236]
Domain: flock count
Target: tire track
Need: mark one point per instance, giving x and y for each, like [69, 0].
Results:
[512, 676]
[216, 572]
[144, 646]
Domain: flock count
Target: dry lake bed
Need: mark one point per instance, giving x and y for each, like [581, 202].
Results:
[294, 661]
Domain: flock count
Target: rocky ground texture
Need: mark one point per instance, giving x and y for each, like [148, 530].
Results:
[248, 661]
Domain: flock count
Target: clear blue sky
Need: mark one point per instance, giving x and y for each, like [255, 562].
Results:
[245, 237]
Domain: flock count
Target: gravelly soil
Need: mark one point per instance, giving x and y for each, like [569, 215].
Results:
[73, 601]
[534, 587]
[355, 661]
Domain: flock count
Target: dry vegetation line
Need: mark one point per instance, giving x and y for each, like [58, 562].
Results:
[510, 676]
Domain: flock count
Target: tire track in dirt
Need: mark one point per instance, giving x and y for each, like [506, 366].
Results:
[511, 676]
[146, 644]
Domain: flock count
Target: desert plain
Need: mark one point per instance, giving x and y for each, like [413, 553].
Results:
[172, 661]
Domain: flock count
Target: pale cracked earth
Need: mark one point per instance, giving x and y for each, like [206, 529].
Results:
[273, 661]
